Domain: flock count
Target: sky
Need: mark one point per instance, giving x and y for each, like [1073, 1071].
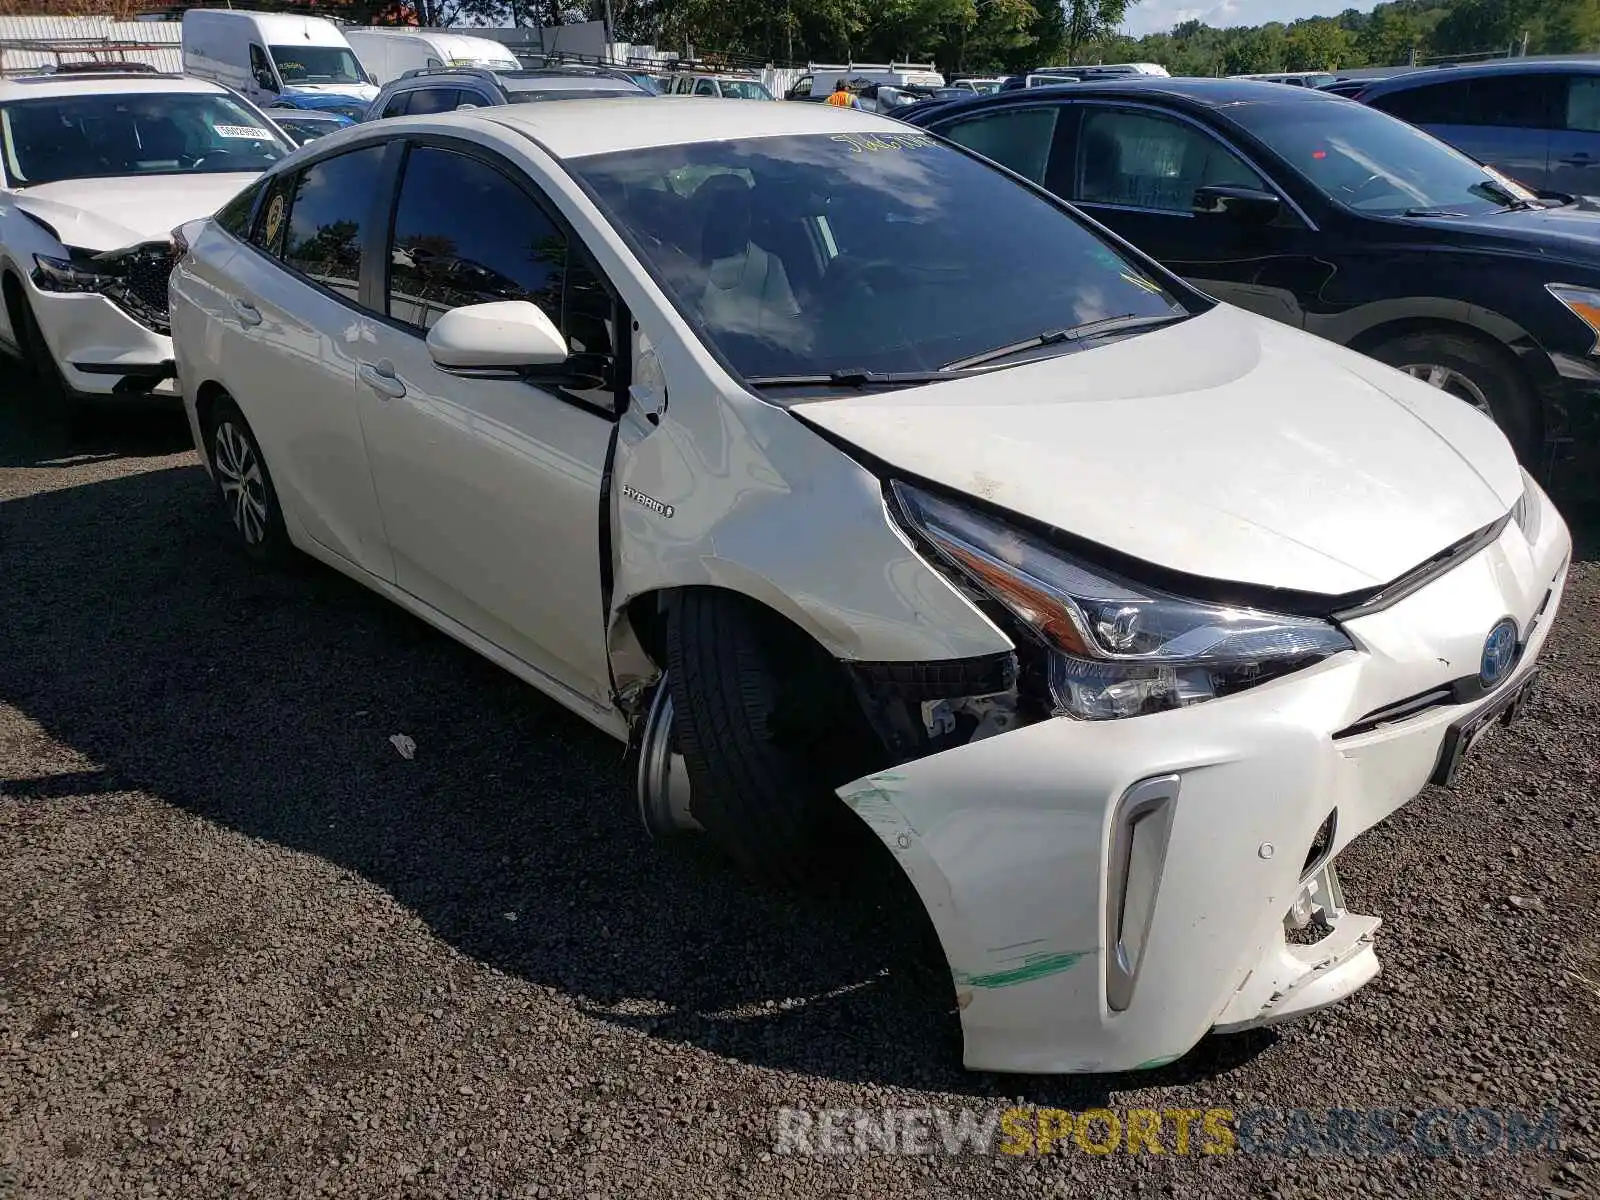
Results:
[1158, 16]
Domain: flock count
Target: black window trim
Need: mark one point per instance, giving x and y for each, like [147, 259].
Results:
[383, 226]
[1086, 103]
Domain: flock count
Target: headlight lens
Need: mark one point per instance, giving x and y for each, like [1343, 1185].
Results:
[1116, 649]
[1581, 302]
[65, 275]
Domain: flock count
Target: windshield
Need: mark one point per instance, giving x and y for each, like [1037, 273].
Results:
[812, 254]
[144, 133]
[1371, 162]
[317, 64]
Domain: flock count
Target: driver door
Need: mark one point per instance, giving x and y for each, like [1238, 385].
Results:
[490, 488]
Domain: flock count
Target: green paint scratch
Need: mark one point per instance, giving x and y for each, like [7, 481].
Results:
[1151, 1064]
[1034, 966]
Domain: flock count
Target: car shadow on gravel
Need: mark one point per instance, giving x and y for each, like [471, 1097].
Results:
[33, 436]
[141, 639]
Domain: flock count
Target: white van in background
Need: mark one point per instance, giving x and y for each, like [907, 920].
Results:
[277, 59]
[388, 54]
[821, 78]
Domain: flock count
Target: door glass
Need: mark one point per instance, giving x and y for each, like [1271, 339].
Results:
[327, 218]
[465, 234]
[1141, 160]
[433, 100]
[1438, 104]
[705, 87]
[1514, 101]
[234, 216]
[1583, 104]
[397, 105]
[1019, 138]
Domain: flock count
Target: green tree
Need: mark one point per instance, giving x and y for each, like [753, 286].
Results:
[1317, 45]
[1089, 21]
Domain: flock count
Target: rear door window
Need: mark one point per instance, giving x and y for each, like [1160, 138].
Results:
[1018, 138]
[1436, 104]
[1516, 101]
[433, 100]
[325, 226]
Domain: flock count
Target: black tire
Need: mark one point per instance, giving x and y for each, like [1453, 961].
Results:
[1480, 367]
[49, 384]
[243, 483]
[762, 759]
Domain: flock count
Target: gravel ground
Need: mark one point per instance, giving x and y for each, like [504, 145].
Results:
[247, 948]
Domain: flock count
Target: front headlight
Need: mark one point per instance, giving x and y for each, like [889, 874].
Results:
[1114, 648]
[67, 275]
[1581, 302]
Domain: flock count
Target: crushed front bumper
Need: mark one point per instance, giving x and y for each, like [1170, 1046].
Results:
[1108, 892]
[101, 350]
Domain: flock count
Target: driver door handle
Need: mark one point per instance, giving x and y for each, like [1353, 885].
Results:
[380, 377]
[245, 311]
[1580, 159]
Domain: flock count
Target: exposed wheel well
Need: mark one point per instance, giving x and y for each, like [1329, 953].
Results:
[205, 401]
[11, 291]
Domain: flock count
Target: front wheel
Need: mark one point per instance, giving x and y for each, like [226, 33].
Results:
[1481, 375]
[239, 470]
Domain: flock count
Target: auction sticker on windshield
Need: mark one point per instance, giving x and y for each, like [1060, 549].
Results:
[242, 131]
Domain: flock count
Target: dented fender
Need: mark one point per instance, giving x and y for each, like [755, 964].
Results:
[728, 491]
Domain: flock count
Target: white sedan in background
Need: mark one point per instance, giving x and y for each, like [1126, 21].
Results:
[96, 168]
[824, 463]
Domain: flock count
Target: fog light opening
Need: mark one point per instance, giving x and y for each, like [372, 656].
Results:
[1141, 827]
[1321, 845]
[1316, 910]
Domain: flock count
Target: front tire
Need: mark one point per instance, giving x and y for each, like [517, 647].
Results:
[762, 719]
[1477, 373]
[50, 385]
[239, 470]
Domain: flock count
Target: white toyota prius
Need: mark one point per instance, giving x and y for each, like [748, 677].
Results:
[825, 463]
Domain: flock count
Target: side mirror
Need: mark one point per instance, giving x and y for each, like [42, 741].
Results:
[505, 335]
[1248, 206]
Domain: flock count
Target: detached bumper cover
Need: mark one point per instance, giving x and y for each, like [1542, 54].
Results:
[1009, 840]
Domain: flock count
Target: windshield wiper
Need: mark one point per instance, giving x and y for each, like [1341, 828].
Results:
[1434, 212]
[1077, 333]
[851, 379]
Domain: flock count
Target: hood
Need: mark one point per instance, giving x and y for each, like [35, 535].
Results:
[107, 214]
[1228, 447]
[1570, 233]
[314, 95]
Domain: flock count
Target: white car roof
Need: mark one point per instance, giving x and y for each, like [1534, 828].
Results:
[575, 128]
[34, 87]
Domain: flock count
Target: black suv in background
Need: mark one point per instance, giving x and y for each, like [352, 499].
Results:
[1332, 217]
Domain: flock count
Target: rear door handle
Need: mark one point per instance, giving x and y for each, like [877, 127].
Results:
[1579, 159]
[380, 377]
[245, 311]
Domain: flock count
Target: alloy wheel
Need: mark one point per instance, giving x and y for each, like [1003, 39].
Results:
[1448, 379]
[239, 476]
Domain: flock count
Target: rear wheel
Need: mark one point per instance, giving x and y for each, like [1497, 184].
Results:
[239, 470]
[1476, 373]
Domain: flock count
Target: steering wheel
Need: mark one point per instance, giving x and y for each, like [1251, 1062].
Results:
[850, 272]
[211, 156]
[1352, 194]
